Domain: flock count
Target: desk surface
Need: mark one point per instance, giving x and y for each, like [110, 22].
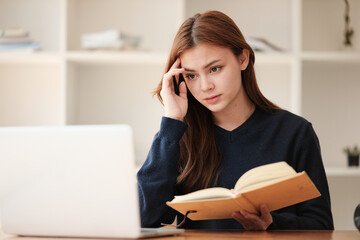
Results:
[224, 235]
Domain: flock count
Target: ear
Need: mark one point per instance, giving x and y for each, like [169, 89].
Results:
[244, 59]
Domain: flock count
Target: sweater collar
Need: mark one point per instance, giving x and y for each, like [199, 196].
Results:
[224, 134]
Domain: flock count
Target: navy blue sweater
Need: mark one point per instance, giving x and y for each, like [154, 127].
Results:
[263, 138]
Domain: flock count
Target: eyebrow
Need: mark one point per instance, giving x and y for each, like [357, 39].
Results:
[206, 66]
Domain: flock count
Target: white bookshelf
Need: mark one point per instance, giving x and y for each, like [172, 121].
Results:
[64, 84]
[343, 172]
[313, 77]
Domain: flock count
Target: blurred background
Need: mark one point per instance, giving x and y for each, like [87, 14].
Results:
[72, 62]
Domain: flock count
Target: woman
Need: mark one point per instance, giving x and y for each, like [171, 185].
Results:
[219, 127]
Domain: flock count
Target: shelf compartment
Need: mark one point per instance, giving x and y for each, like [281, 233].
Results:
[40, 17]
[30, 95]
[325, 31]
[116, 94]
[277, 30]
[330, 98]
[345, 195]
[274, 81]
[151, 20]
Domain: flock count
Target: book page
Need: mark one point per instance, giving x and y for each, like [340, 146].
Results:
[207, 193]
[264, 175]
[213, 208]
[264, 184]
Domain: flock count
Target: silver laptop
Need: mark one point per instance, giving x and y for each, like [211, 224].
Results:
[70, 181]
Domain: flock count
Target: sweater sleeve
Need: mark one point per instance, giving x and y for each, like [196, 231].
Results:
[157, 177]
[315, 213]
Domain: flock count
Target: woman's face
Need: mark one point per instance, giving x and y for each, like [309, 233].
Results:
[213, 76]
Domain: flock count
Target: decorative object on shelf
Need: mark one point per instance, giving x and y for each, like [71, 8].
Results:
[357, 217]
[353, 155]
[111, 40]
[262, 45]
[349, 32]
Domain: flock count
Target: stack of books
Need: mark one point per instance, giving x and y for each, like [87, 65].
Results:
[17, 39]
[109, 40]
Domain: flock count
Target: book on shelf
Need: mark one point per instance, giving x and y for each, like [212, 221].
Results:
[13, 32]
[13, 40]
[17, 40]
[20, 47]
[110, 39]
[277, 185]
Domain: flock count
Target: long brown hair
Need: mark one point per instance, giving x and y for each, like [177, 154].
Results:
[200, 157]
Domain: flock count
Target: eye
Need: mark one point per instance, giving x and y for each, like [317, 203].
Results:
[190, 76]
[215, 69]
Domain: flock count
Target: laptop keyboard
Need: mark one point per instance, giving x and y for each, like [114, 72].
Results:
[149, 230]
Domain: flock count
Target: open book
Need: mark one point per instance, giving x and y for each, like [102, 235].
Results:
[275, 184]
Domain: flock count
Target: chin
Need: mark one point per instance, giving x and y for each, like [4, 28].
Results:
[215, 108]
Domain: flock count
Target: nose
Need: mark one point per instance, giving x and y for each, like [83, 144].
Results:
[206, 84]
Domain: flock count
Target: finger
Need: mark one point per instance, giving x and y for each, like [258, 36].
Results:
[174, 72]
[256, 222]
[176, 64]
[265, 214]
[182, 90]
[238, 217]
[168, 82]
[244, 222]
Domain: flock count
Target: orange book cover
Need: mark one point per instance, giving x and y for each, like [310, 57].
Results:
[261, 186]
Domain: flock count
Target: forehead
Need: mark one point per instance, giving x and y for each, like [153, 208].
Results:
[203, 53]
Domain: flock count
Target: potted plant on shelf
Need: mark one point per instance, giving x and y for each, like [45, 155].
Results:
[353, 155]
[349, 32]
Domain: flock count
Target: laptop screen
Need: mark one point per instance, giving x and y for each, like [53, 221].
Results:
[77, 181]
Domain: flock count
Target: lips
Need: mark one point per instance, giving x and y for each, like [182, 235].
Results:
[212, 99]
